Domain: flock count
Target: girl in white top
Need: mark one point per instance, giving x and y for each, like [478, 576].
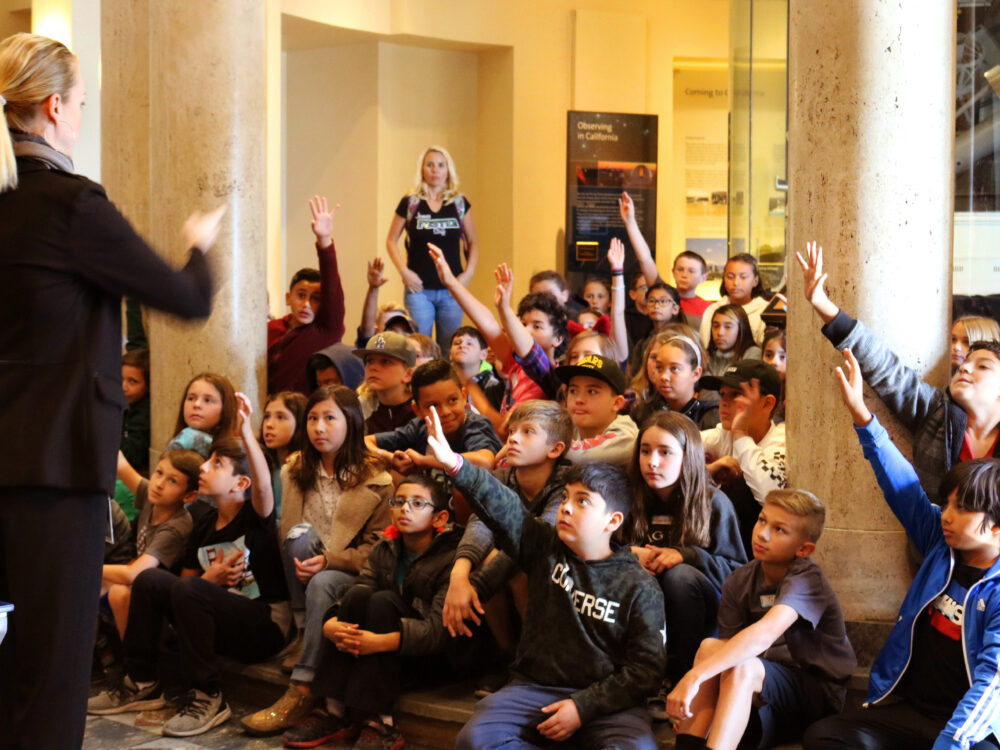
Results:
[741, 285]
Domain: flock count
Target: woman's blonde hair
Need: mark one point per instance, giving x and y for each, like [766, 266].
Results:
[32, 68]
[451, 188]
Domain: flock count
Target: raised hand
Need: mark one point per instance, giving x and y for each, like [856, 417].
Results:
[626, 208]
[440, 265]
[852, 389]
[437, 442]
[616, 254]
[813, 279]
[200, 230]
[322, 223]
[505, 284]
[376, 276]
[243, 411]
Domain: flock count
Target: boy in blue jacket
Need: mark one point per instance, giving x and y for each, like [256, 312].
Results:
[936, 681]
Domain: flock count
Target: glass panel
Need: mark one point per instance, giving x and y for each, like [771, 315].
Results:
[977, 168]
[758, 122]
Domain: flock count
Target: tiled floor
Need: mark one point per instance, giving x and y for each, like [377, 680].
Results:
[120, 733]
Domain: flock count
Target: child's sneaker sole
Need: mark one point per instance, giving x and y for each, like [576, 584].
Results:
[149, 704]
[219, 718]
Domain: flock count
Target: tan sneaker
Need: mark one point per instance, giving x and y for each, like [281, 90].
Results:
[290, 709]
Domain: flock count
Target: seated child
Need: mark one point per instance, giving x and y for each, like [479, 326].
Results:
[163, 526]
[389, 360]
[317, 318]
[587, 319]
[690, 270]
[282, 428]
[592, 641]
[539, 432]
[595, 388]
[948, 425]
[684, 532]
[334, 365]
[231, 597]
[672, 373]
[468, 356]
[663, 309]
[597, 294]
[732, 339]
[335, 508]
[135, 420]
[435, 385]
[387, 628]
[427, 348]
[554, 284]
[934, 683]
[746, 450]
[525, 344]
[741, 285]
[782, 659]
[967, 330]
[208, 411]
[774, 354]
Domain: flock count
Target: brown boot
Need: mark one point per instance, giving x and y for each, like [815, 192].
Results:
[290, 709]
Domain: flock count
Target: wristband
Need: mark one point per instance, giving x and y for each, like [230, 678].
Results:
[458, 466]
[617, 271]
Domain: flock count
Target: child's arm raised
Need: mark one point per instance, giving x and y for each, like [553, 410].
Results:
[497, 506]
[261, 494]
[129, 476]
[480, 315]
[330, 315]
[746, 644]
[896, 476]
[900, 388]
[626, 207]
[520, 338]
[619, 333]
[369, 311]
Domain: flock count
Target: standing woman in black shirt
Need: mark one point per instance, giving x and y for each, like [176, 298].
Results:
[66, 258]
[433, 212]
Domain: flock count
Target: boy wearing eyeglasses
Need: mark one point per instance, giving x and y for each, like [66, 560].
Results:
[388, 625]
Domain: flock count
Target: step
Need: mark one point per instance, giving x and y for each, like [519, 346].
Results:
[434, 716]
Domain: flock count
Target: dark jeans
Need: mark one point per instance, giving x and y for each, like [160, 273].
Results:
[692, 606]
[886, 726]
[51, 550]
[367, 684]
[208, 620]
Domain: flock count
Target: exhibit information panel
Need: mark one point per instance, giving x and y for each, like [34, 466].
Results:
[606, 154]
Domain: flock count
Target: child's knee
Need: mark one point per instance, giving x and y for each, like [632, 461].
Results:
[708, 647]
[747, 674]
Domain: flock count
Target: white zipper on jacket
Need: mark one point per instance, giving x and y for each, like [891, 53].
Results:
[913, 625]
[965, 610]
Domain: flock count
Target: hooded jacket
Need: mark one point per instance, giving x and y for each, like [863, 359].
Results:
[341, 356]
[977, 714]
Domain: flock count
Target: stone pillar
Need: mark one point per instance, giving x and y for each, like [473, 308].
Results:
[871, 168]
[194, 106]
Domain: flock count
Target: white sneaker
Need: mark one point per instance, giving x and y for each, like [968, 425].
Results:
[126, 696]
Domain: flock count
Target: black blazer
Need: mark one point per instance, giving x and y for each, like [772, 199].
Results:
[67, 256]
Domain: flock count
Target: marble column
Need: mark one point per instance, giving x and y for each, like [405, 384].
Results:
[871, 171]
[186, 130]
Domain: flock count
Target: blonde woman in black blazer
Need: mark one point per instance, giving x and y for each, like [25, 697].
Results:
[66, 258]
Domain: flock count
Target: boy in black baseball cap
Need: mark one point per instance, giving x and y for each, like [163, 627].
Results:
[746, 450]
[595, 393]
